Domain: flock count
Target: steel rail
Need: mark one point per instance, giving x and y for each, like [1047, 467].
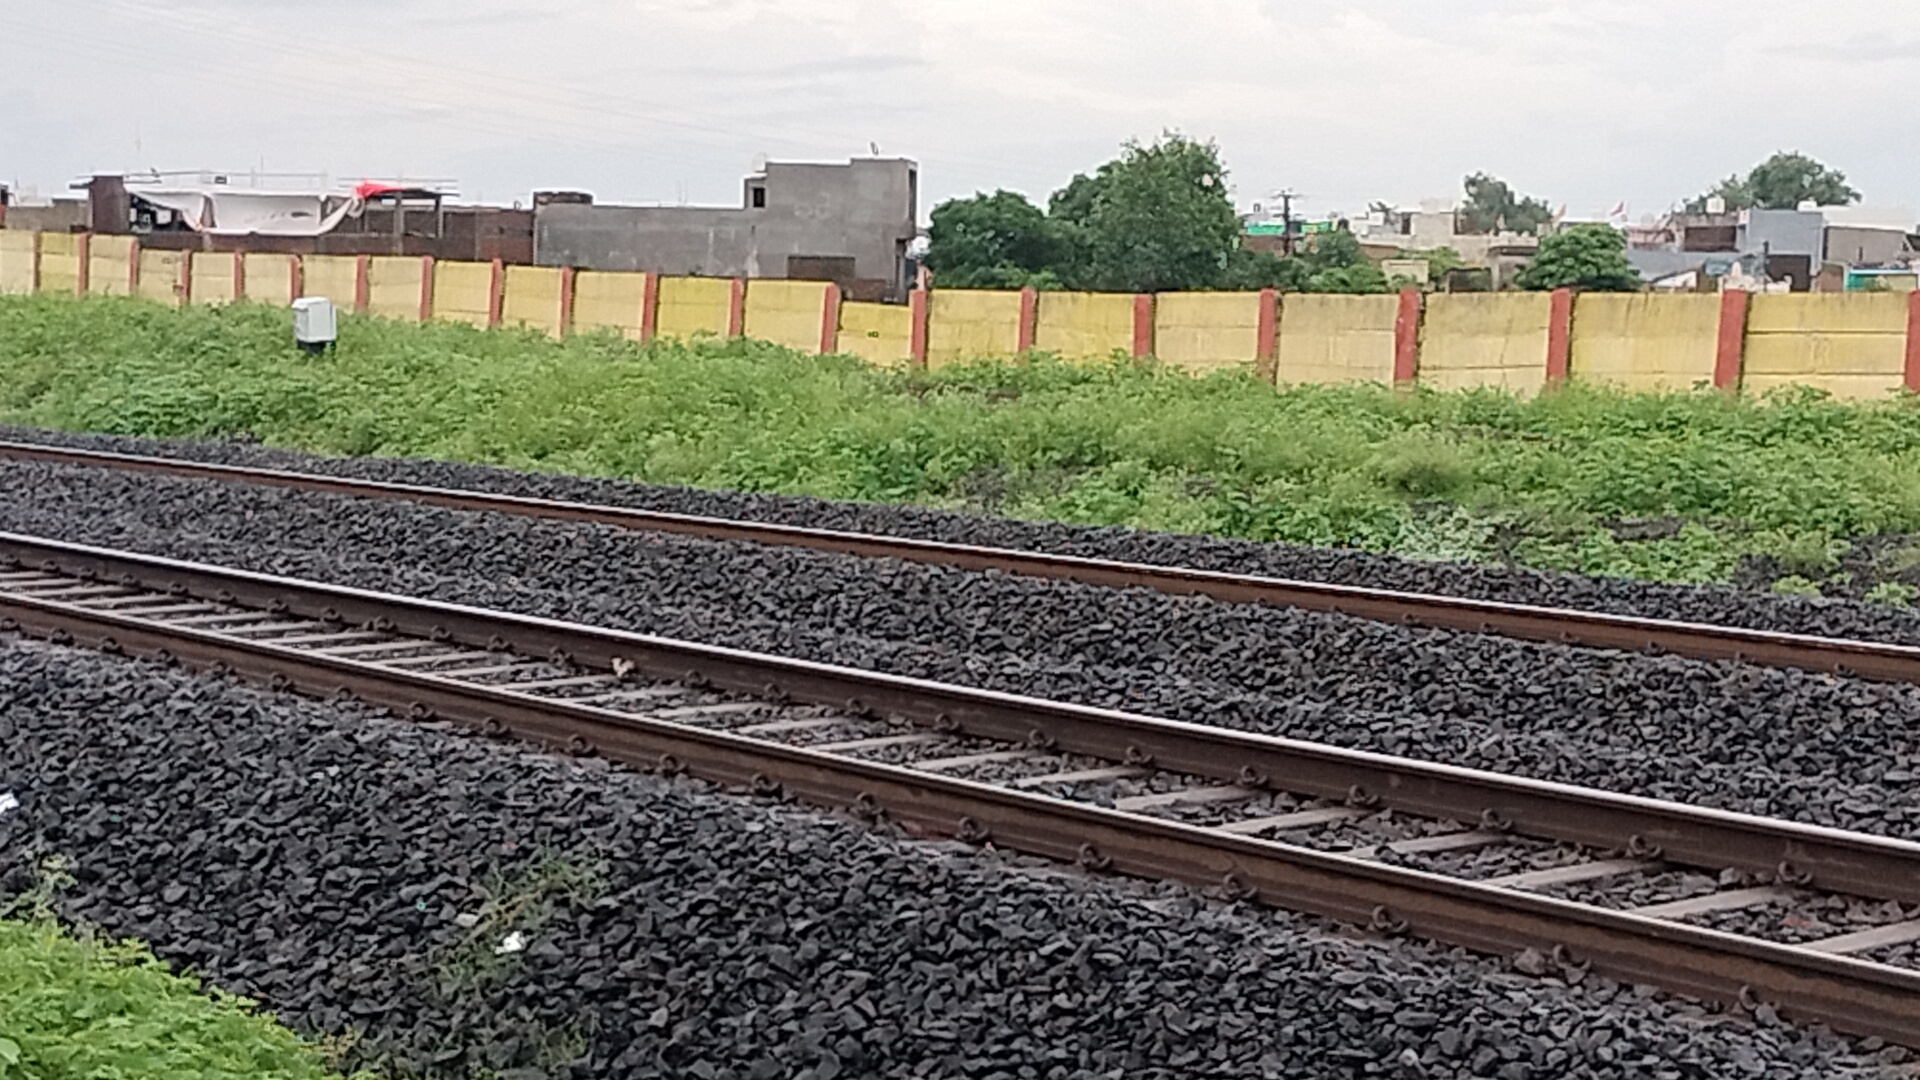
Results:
[1849, 862]
[1845, 993]
[1589, 629]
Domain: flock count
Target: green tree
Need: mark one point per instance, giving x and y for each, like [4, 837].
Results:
[1157, 218]
[994, 241]
[1493, 207]
[1782, 182]
[1590, 256]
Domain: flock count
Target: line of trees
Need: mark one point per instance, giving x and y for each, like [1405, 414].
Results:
[1158, 218]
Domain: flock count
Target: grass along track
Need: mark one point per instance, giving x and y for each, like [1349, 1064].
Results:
[837, 737]
[1796, 491]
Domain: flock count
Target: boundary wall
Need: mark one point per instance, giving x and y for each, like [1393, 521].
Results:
[1852, 345]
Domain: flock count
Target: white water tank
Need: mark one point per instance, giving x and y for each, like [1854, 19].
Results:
[313, 323]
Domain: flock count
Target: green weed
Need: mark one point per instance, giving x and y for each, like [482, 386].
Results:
[81, 1008]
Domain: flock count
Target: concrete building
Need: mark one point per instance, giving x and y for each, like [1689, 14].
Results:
[850, 224]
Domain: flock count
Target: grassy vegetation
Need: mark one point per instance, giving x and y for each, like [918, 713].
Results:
[82, 1008]
[1676, 486]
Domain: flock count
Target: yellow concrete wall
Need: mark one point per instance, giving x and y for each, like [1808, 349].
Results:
[971, 324]
[1326, 338]
[786, 313]
[1485, 339]
[1202, 331]
[331, 276]
[880, 334]
[110, 266]
[608, 299]
[463, 292]
[532, 298]
[1082, 326]
[213, 278]
[693, 305]
[59, 263]
[1644, 341]
[160, 275]
[17, 247]
[1852, 345]
[268, 279]
[393, 286]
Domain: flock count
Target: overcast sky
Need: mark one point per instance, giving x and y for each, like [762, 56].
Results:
[1585, 103]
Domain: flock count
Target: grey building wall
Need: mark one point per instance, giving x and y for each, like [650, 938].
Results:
[1854, 245]
[1783, 232]
[61, 215]
[866, 210]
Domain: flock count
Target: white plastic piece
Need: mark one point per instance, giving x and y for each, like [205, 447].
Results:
[314, 322]
[513, 943]
[8, 803]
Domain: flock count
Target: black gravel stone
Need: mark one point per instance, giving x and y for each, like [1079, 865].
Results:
[1787, 744]
[1712, 604]
[358, 874]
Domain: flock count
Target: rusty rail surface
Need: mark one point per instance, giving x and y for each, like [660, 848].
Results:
[151, 606]
[1590, 629]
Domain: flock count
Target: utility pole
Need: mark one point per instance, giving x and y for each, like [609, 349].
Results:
[1286, 196]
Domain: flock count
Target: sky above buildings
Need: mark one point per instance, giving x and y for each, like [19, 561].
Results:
[1588, 104]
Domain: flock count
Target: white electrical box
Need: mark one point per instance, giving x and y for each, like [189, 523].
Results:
[313, 322]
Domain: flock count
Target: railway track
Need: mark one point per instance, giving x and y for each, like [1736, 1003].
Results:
[1865, 659]
[1396, 846]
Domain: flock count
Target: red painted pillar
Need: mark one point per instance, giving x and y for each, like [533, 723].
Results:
[33, 274]
[496, 294]
[1406, 338]
[133, 268]
[84, 272]
[566, 301]
[737, 308]
[183, 281]
[239, 277]
[649, 306]
[830, 319]
[1559, 334]
[1912, 380]
[1730, 341]
[296, 276]
[917, 308]
[360, 266]
[426, 287]
[1029, 319]
[1143, 324]
[1267, 336]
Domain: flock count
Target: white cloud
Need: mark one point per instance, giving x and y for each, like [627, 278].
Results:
[1346, 100]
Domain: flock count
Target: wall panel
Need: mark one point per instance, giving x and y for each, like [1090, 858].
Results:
[1084, 326]
[1485, 339]
[971, 324]
[1206, 331]
[694, 305]
[1852, 345]
[789, 313]
[1327, 338]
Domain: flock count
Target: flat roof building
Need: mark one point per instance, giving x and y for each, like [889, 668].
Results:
[851, 224]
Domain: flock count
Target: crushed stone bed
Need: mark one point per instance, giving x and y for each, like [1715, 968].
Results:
[357, 873]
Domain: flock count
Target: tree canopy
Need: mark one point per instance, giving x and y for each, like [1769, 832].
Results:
[1157, 218]
[1493, 207]
[997, 241]
[1782, 182]
[1589, 256]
